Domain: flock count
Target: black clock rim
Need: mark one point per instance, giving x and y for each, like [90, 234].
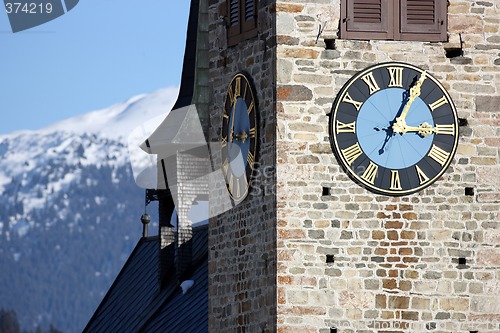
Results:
[248, 78]
[340, 159]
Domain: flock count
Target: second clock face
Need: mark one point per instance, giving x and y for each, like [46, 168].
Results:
[239, 136]
[394, 128]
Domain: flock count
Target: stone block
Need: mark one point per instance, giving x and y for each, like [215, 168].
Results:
[297, 296]
[454, 304]
[459, 8]
[309, 79]
[442, 315]
[476, 288]
[420, 303]
[409, 315]
[299, 53]
[294, 93]
[284, 74]
[289, 8]
[487, 103]
[488, 257]
[372, 284]
[393, 225]
[356, 300]
[489, 197]
[485, 304]
[307, 159]
[398, 302]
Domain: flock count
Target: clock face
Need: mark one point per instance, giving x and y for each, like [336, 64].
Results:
[239, 136]
[394, 128]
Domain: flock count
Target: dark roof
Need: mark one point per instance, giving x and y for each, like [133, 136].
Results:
[135, 303]
[189, 63]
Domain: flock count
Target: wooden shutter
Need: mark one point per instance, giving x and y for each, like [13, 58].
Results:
[367, 19]
[242, 20]
[423, 20]
[249, 16]
[233, 17]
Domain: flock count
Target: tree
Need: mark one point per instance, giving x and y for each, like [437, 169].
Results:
[9, 322]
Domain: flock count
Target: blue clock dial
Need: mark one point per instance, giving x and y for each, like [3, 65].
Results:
[394, 128]
[239, 145]
[377, 137]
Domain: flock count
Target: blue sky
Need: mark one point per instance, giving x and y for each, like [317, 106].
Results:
[100, 53]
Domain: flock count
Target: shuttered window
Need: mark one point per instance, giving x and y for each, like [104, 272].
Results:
[241, 20]
[419, 20]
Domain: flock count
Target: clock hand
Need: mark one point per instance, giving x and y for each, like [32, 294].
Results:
[388, 135]
[414, 93]
[423, 130]
[231, 132]
[243, 136]
[400, 123]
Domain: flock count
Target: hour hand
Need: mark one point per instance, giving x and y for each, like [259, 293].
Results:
[423, 130]
[399, 126]
[242, 136]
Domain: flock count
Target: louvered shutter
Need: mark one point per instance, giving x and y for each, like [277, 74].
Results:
[423, 20]
[234, 21]
[367, 19]
[242, 20]
[249, 17]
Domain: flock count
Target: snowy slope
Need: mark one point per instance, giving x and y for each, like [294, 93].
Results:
[120, 119]
[24, 151]
[64, 191]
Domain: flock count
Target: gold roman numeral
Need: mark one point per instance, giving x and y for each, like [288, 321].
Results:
[231, 183]
[346, 128]
[230, 93]
[370, 173]
[245, 92]
[395, 182]
[369, 79]
[440, 102]
[352, 153]
[224, 141]
[238, 189]
[422, 177]
[237, 88]
[439, 155]
[252, 133]
[251, 107]
[348, 99]
[250, 159]
[396, 74]
[445, 129]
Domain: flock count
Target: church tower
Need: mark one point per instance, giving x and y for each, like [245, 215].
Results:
[361, 148]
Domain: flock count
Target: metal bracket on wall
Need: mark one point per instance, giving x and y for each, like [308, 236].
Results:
[151, 195]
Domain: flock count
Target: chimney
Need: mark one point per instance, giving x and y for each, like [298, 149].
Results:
[166, 208]
[181, 146]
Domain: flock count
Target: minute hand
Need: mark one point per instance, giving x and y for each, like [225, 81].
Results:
[400, 123]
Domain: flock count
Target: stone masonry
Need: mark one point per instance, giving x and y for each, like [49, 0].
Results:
[242, 242]
[311, 251]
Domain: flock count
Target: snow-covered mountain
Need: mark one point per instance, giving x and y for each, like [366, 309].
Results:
[69, 211]
[119, 120]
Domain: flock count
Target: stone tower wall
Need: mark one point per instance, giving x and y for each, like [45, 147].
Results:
[395, 260]
[242, 241]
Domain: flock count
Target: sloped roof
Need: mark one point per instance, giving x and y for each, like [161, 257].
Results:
[134, 303]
